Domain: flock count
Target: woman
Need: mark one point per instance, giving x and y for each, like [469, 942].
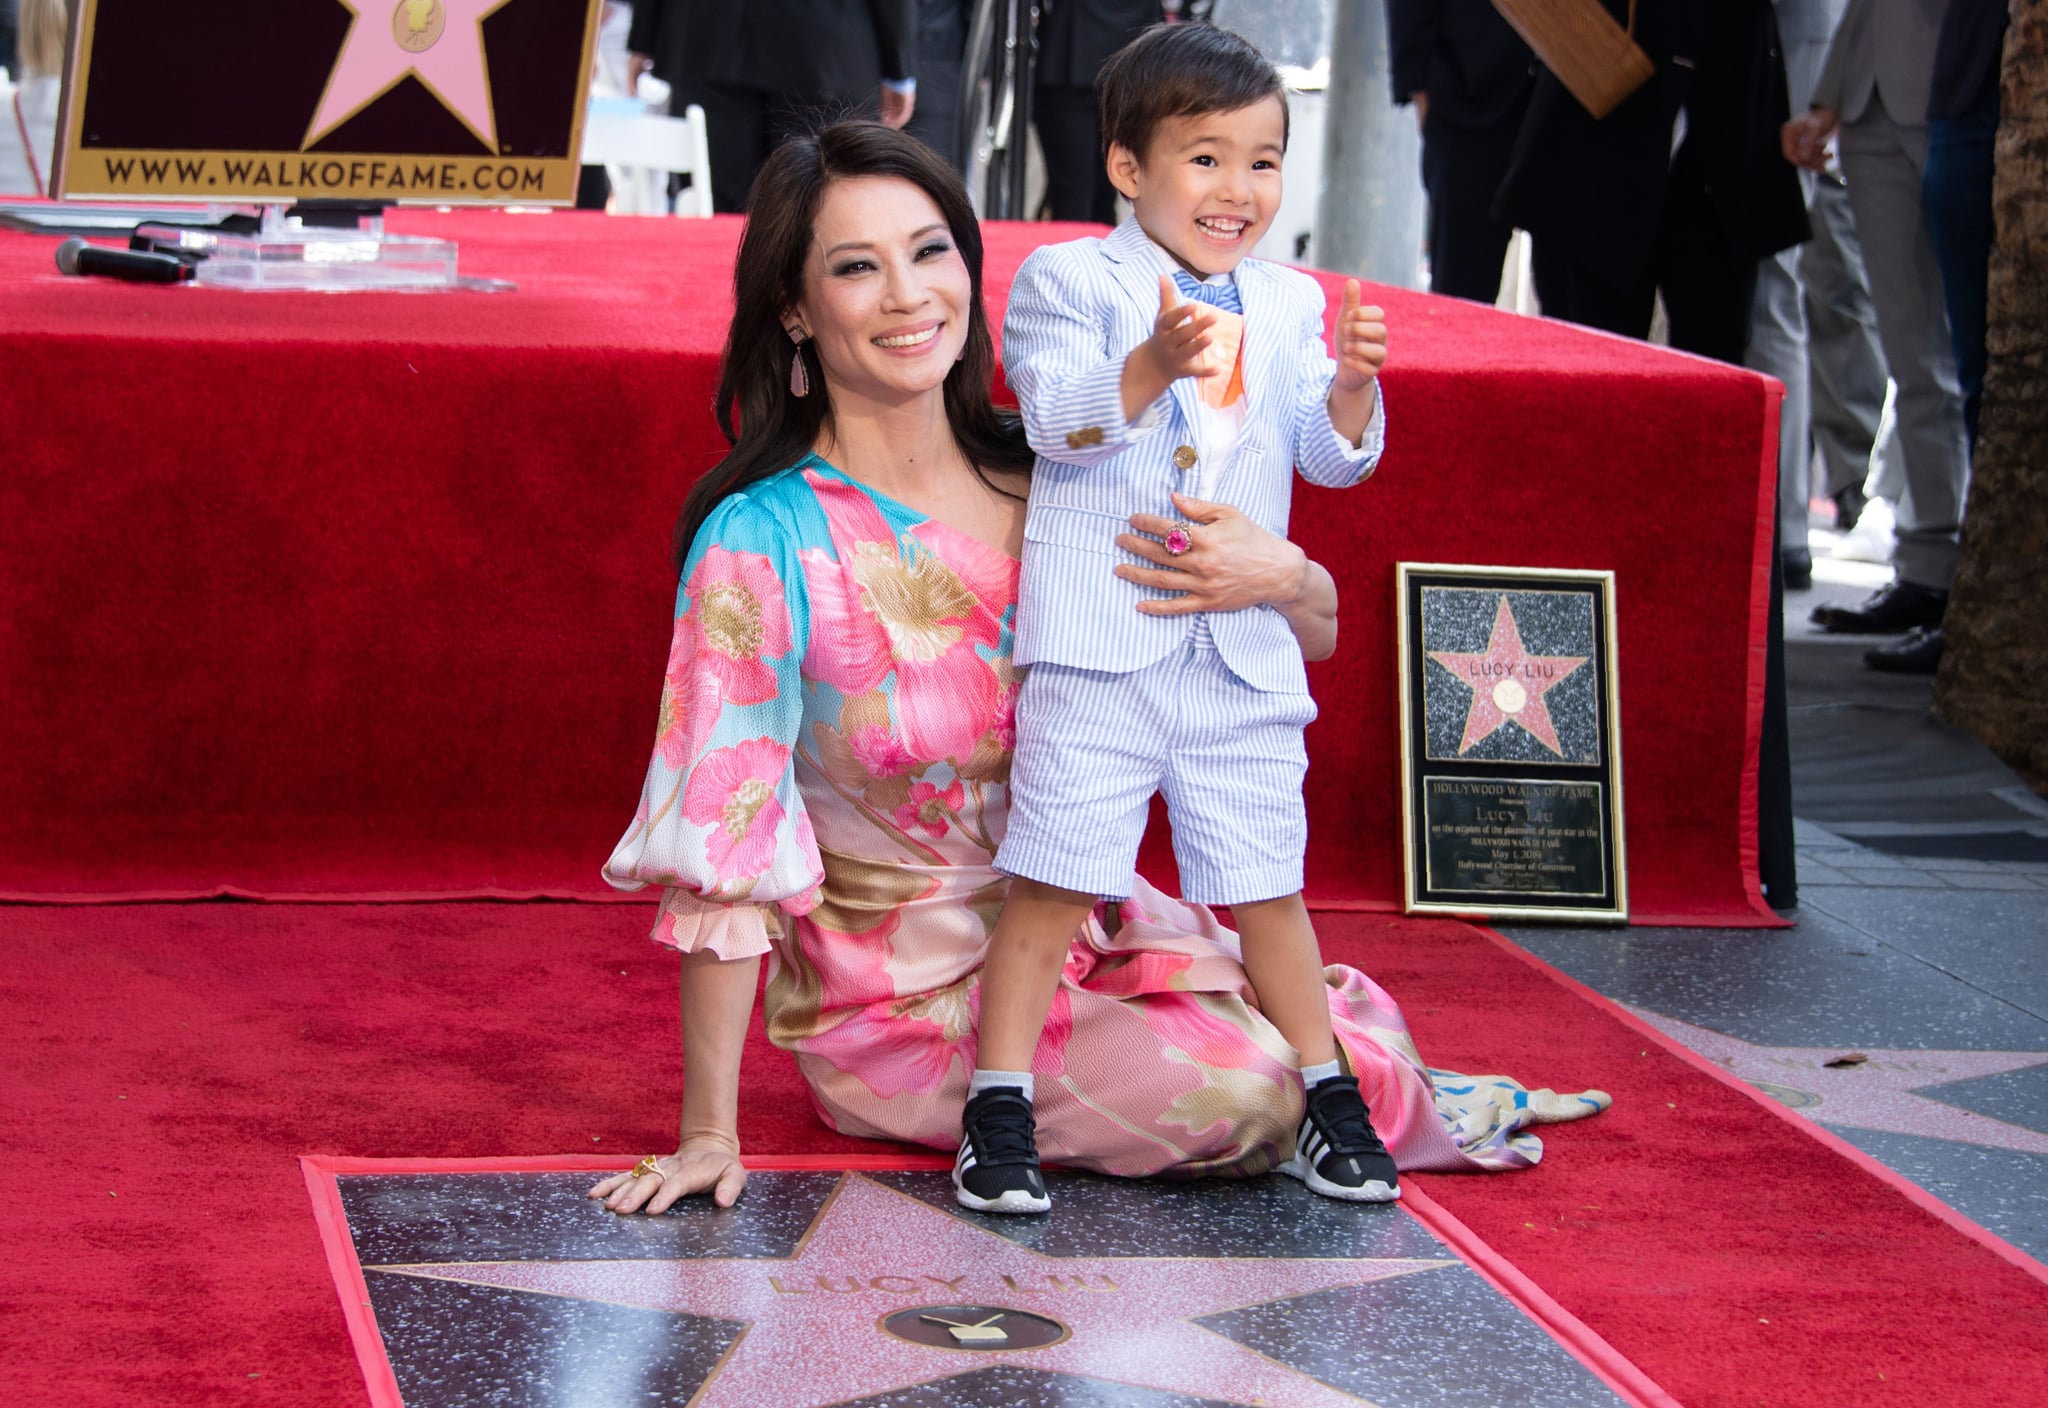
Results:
[828, 779]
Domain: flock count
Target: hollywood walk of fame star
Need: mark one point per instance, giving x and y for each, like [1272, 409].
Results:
[440, 42]
[813, 1331]
[1880, 1093]
[1508, 683]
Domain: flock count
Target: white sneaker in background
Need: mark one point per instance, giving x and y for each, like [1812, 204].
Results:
[1871, 539]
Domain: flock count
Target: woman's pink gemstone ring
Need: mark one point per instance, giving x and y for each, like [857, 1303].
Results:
[1178, 541]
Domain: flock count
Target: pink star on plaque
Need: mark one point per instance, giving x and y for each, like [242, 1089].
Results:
[819, 1323]
[441, 42]
[1508, 683]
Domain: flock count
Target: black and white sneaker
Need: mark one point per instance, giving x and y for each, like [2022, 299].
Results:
[1337, 1153]
[997, 1170]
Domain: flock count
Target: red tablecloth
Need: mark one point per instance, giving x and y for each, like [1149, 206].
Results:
[369, 595]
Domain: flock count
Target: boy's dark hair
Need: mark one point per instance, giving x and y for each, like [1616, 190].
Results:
[1180, 70]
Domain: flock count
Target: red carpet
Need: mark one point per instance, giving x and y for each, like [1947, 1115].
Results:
[368, 596]
[166, 1065]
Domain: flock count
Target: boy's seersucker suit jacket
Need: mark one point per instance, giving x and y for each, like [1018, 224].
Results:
[1076, 310]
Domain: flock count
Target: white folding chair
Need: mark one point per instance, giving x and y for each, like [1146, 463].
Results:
[641, 150]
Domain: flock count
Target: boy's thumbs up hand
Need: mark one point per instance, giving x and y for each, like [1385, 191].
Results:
[1361, 341]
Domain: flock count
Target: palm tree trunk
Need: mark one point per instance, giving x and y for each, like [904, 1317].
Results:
[1994, 677]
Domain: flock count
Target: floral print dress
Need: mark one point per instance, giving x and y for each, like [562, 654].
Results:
[828, 787]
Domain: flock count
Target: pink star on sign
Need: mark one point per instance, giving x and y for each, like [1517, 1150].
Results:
[1508, 683]
[441, 42]
[814, 1333]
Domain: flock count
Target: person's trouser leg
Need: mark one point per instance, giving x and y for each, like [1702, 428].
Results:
[1707, 287]
[1461, 169]
[1845, 366]
[1070, 134]
[1577, 293]
[1956, 189]
[1882, 161]
[735, 130]
[1777, 347]
[1777, 310]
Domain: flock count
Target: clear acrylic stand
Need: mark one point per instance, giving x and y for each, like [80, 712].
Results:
[286, 253]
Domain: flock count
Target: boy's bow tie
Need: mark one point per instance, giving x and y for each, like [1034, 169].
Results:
[1223, 295]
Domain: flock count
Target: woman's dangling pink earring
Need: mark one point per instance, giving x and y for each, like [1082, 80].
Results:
[799, 379]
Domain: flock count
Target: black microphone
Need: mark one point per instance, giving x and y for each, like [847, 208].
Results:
[75, 256]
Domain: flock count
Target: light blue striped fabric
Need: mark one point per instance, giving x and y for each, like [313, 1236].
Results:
[1075, 312]
[1093, 747]
[1218, 293]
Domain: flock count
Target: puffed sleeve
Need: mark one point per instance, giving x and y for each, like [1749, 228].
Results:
[721, 824]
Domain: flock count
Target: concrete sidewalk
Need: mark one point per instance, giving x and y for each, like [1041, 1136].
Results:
[1920, 941]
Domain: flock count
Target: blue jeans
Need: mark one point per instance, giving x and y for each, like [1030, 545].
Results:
[1956, 189]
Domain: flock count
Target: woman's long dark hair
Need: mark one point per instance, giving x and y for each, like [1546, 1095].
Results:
[768, 428]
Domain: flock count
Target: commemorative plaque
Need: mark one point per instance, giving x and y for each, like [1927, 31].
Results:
[1510, 743]
[440, 102]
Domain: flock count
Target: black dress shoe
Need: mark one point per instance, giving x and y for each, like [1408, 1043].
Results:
[1918, 654]
[1889, 610]
[1798, 564]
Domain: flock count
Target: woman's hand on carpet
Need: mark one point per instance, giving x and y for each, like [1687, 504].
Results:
[1231, 562]
[705, 1163]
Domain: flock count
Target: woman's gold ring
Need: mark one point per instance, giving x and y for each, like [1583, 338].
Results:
[647, 1166]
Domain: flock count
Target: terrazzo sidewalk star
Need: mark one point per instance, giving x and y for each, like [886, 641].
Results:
[811, 1320]
[1882, 1092]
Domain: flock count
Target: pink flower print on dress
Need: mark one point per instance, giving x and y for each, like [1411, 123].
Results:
[929, 807]
[880, 751]
[1196, 1023]
[884, 605]
[807, 847]
[744, 620]
[732, 792]
[893, 1052]
[689, 698]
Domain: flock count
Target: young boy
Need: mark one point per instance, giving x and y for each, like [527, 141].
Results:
[1156, 368]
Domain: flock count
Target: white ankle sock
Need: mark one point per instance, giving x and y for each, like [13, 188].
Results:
[992, 1080]
[1312, 1076]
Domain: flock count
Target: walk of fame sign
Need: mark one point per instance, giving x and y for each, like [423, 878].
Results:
[1510, 743]
[471, 1285]
[443, 102]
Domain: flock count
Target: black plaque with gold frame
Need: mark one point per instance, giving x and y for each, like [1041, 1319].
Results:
[436, 102]
[1510, 743]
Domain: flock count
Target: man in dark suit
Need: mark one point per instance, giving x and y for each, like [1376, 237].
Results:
[1074, 38]
[1614, 214]
[767, 68]
[1591, 192]
[1733, 201]
[1469, 76]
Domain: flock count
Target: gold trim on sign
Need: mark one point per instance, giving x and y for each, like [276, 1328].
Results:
[541, 180]
[1607, 655]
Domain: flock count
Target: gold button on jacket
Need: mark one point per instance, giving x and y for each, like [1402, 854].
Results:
[1184, 458]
